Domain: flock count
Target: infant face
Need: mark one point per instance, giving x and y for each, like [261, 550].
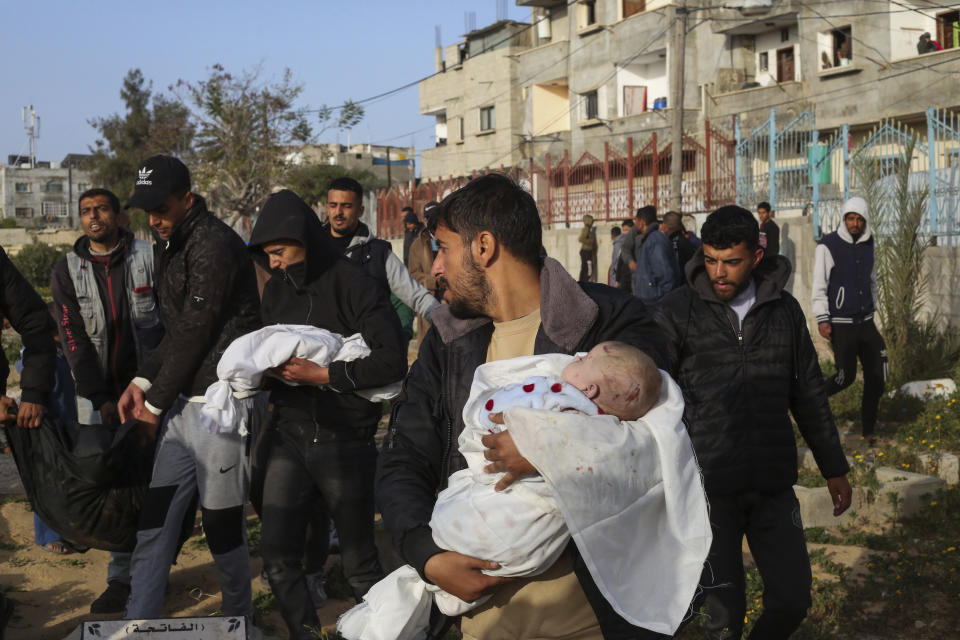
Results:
[584, 374]
[620, 379]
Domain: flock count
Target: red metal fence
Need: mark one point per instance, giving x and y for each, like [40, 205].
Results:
[611, 188]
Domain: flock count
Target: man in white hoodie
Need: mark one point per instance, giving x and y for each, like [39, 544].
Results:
[844, 301]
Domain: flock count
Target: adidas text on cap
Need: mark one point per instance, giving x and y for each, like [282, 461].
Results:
[157, 178]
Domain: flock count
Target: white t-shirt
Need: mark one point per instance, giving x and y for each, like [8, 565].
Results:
[742, 303]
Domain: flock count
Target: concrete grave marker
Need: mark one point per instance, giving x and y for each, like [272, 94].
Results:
[214, 628]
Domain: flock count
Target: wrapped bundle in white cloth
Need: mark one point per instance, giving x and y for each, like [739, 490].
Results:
[244, 363]
[629, 493]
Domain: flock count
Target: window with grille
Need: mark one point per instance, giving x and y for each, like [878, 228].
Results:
[55, 209]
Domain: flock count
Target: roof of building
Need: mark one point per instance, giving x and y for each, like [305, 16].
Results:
[496, 26]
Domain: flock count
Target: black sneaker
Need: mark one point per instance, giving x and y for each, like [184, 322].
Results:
[113, 600]
[318, 596]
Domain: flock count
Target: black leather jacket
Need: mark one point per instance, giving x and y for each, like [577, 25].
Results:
[207, 293]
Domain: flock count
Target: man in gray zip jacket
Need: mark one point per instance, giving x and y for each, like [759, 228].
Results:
[344, 208]
[108, 324]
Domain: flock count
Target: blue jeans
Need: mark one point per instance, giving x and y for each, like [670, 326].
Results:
[42, 534]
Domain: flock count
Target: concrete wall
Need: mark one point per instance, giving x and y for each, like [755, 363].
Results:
[550, 104]
[769, 43]
[649, 71]
[943, 282]
[12, 240]
[905, 31]
[796, 244]
[486, 80]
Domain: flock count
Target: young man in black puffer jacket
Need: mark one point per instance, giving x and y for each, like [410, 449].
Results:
[320, 450]
[738, 346]
[207, 292]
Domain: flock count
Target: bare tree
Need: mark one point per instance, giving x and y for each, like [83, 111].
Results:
[243, 125]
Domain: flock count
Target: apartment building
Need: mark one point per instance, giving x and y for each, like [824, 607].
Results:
[389, 163]
[587, 73]
[44, 194]
[848, 62]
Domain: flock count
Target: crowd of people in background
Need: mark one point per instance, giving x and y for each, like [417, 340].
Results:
[142, 327]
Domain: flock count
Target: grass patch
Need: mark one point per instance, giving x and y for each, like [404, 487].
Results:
[810, 478]
[263, 603]
[197, 544]
[253, 537]
[18, 561]
[908, 588]
[72, 562]
[10, 545]
[918, 583]
[820, 535]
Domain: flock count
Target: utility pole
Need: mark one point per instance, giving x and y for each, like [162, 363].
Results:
[679, 43]
[389, 179]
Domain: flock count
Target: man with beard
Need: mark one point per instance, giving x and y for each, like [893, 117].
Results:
[683, 248]
[208, 297]
[656, 271]
[738, 345]
[355, 240]
[844, 301]
[109, 325]
[505, 300]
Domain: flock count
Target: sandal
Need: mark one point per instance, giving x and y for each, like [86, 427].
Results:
[58, 547]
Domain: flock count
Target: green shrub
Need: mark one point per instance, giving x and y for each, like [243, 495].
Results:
[11, 347]
[35, 261]
[936, 429]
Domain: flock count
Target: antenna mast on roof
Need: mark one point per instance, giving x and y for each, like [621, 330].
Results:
[31, 124]
[469, 21]
[501, 10]
[437, 36]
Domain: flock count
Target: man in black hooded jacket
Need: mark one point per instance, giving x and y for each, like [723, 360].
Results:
[738, 346]
[321, 446]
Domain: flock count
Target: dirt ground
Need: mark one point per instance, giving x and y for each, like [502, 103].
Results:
[54, 592]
